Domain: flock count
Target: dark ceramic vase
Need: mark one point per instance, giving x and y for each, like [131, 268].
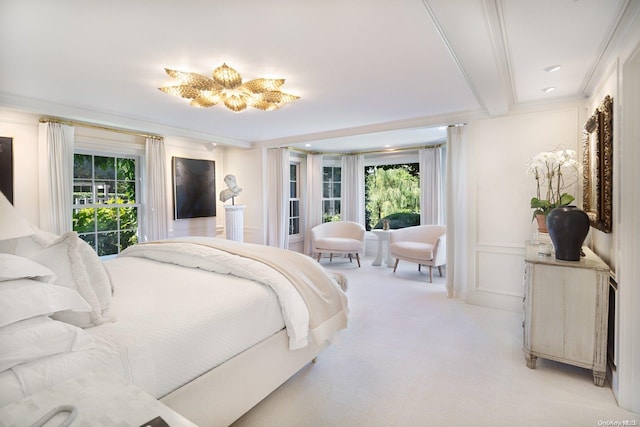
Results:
[568, 227]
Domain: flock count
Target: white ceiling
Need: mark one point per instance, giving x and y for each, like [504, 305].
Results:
[364, 69]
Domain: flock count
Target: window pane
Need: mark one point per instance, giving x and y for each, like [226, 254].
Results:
[336, 207]
[105, 167]
[107, 219]
[107, 243]
[326, 174]
[126, 169]
[89, 238]
[336, 189]
[127, 238]
[294, 208]
[294, 226]
[84, 220]
[105, 191]
[292, 173]
[82, 192]
[127, 191]
[293, 190]
[337, 174]
[128, 218]
[326, 190]
[326, 207]
[82, 166]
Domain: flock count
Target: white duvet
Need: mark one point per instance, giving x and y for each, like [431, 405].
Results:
[172, 324]
[195, 255]
[184, 307]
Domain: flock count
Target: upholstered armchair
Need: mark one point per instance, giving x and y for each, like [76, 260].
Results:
[338, 237]
[422, 244]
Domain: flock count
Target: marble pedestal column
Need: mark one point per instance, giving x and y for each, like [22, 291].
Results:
[234, 222]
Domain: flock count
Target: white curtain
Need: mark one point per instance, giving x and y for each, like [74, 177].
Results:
[432, 186]
[352, 200]
[56, 184]
[278, 197]
[156, 224]
[313, 211]
[457, 207]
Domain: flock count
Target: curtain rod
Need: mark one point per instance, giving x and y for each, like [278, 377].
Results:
[99, 127]
[387, 150]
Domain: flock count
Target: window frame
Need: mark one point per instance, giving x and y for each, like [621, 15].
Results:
[138, 205]
[333, 164]
[295, 199]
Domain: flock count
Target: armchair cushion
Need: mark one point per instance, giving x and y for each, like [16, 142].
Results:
[338, 244]
[340, 237]
[413, 250]
[422, 244]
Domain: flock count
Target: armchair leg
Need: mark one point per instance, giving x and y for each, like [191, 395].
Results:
[319, 255]
[331, 257]
[440, 270]
[430, 274]
[358, 259]
[396, 264]
[419, 266]
[350, 258]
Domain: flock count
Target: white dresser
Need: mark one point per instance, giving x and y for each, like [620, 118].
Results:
[566, 307]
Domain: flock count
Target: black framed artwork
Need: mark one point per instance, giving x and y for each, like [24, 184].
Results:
[6, 167]
[194, 188]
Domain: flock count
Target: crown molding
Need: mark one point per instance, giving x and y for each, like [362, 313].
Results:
[65, 112]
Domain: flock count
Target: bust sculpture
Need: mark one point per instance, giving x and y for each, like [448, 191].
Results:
[232, 189]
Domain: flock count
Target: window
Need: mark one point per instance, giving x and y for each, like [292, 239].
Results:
[331, 191]
[106, 205]
[294, 199]
[392, 189]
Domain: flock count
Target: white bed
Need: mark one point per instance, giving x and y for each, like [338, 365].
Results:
[210, 338]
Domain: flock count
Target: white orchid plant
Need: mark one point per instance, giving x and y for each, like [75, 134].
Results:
[554, 172]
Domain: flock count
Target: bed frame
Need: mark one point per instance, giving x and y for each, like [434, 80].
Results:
[222, 395]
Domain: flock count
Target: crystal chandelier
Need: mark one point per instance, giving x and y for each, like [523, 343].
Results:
[226, 86]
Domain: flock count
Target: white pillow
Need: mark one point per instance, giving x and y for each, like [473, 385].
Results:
[38, 337]
[22, 299]
[64, 258]
[16, 267]
[29, 246]
[98, 277]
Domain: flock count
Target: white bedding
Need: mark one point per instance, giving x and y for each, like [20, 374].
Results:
[172, 324]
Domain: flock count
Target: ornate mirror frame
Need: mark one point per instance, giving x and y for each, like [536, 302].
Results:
[597, 162]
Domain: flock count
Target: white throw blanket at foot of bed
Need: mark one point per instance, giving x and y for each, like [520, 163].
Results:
[315, 307]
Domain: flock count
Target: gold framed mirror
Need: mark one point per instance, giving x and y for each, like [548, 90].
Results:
[597, 162]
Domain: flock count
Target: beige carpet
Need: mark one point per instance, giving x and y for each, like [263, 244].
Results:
[413, 357]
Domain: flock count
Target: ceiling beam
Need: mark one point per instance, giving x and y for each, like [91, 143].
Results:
[478, 47]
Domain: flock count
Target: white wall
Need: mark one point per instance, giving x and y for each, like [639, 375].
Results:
[23, 128]
[621, 247]
[249, 168]
[503, 190]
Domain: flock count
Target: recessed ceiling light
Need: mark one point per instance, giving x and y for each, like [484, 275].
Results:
[307, 145]
[552, 68]
[387, 146]
[548, 89]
